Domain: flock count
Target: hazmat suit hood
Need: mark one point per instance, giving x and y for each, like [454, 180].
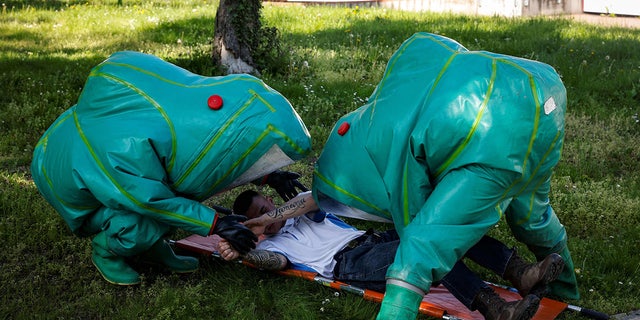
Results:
[435, 111]
[151, 138]
[210, 132]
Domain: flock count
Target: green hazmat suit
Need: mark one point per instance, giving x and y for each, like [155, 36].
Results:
[147, 141]
[450, 141]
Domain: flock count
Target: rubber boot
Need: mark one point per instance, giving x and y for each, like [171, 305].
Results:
[533, 277]
[565, 286]
[112, 267]
[493, 307]
[161, 253]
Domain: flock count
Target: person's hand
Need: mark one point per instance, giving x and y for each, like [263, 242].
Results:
[285, 183]
[240, 237]
[256, 225]
[226, 251]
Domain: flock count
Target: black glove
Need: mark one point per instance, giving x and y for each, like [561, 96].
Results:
[222, 209]
[240, 237]
[285, 183]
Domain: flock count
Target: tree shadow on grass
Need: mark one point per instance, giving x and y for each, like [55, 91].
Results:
[361, 48]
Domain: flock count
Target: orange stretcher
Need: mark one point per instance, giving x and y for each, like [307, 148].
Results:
[438, 303]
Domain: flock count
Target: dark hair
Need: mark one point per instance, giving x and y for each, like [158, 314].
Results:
[243, 202]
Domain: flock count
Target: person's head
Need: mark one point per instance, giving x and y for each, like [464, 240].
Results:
[252, 205]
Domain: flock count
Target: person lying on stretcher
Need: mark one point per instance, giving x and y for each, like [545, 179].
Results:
[301, 236]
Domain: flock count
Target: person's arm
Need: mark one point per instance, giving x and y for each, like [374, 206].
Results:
[263, 259]
[135, 179]
[301, 204]
[459, 211]
[267, 260]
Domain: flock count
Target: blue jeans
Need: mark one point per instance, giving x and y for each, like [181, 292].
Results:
[365, 266]
[463, 283]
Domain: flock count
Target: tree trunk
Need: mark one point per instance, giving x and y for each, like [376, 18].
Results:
[236, 28]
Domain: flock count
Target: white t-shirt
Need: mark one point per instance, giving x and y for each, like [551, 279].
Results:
[310, 241]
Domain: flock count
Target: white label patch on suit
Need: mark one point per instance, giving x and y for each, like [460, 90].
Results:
[549, 105]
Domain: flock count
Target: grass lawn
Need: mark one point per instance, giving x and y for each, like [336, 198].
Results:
[336, 58]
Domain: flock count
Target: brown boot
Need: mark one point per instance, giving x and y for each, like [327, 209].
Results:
[533, 277]
[493, 307]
